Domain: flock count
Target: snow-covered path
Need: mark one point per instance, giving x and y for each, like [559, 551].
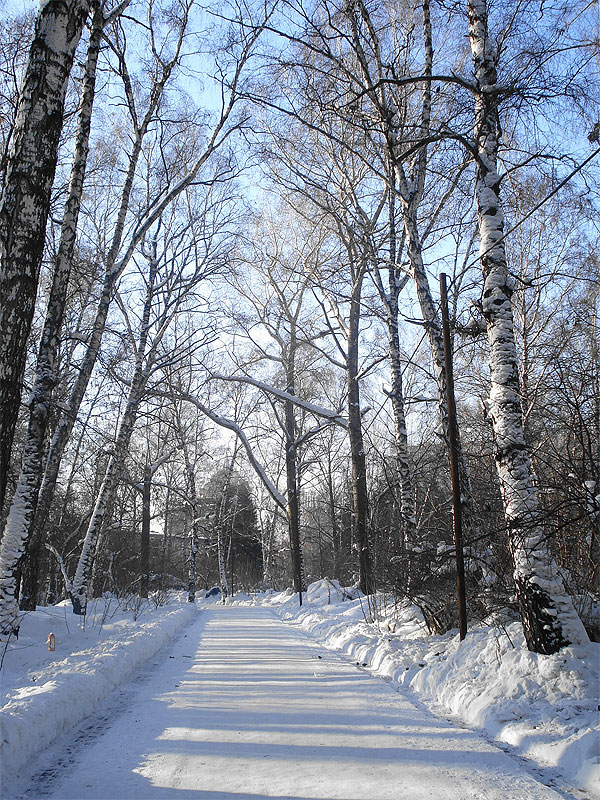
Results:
[245, 707]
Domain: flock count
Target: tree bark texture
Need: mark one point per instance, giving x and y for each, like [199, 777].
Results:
[19, 525]
[26, 200]
[547, 612]
[145, 533]
[360, 505]
[105, 498]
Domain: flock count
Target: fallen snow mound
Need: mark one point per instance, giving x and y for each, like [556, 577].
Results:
[46, 693]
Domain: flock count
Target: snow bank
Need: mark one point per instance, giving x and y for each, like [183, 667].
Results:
[45, 693]
[544, 707]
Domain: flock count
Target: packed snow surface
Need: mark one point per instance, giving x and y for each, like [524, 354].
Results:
[44, 693]
[545, 708]
[244, 705]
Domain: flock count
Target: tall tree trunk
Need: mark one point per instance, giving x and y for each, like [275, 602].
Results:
[25, 203]
[360, 497]
[390, 298]
[291, 471]
[145, 533]
[105, 498]
[549, 618]
[22, 512]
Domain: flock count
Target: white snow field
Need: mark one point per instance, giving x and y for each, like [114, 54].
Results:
[243, 706]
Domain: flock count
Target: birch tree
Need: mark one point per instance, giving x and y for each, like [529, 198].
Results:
[22, 510]
[165, 61]
[182, 167]
[188, 254]
[328, 176]
[25, 202]
[284, 266]
[549, 618]
[390, 279]
[143, 363]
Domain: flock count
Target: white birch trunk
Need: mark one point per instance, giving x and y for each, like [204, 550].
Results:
[25, 202]
[390, 299]
[19, 522]
[104, 501]
[547, 612]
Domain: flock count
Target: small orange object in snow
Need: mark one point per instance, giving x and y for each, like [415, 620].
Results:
[51, 642]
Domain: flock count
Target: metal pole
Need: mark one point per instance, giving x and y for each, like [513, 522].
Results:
[231, 562]
[454, 472]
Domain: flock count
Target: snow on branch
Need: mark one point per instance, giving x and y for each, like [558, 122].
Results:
[156, 464]
[319, 411]
[312, 432]
[224, 422]
[62, 566]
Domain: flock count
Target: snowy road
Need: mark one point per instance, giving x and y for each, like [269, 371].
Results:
[243, 707]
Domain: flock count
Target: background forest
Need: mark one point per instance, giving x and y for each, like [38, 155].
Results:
[221, 329]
